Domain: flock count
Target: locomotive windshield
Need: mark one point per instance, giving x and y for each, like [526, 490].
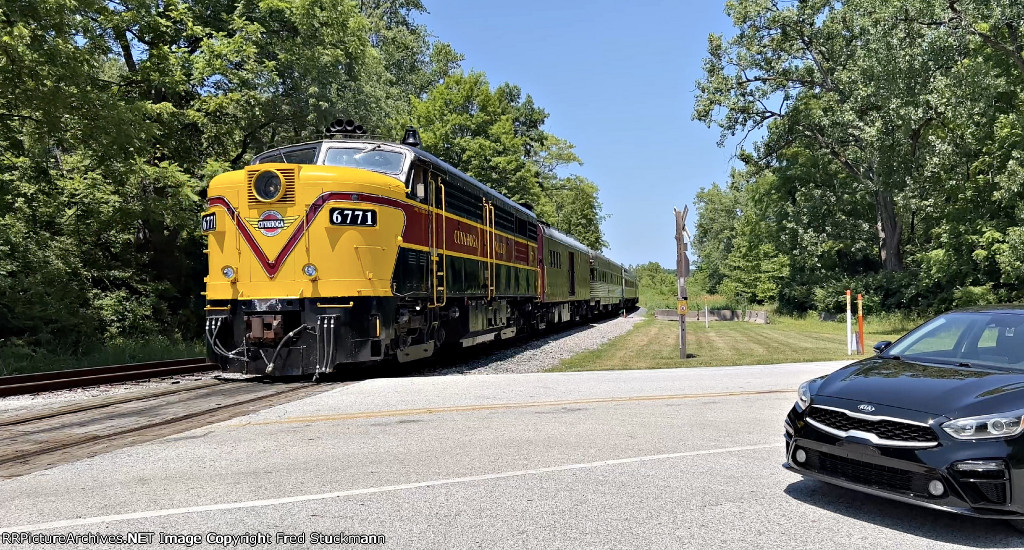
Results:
[370, 157]
[305, 155]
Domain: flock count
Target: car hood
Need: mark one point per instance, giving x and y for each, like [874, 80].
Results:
[933, 389]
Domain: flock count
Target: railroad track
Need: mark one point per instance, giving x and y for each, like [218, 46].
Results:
[45, 437]
[21, 384]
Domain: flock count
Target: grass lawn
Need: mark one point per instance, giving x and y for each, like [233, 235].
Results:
[23, 360]
[654, 344]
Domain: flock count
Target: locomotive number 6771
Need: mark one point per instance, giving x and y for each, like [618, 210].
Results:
[353, 216]
[352, 250]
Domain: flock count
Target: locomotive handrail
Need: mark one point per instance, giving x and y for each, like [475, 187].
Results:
[494, 252]
[238, 236]
[444, 249]
[488, 233]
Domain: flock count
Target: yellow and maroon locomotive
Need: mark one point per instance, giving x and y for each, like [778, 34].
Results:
[354, 250]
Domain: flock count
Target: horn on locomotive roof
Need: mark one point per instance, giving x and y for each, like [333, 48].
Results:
[411, 137]
[344, 126]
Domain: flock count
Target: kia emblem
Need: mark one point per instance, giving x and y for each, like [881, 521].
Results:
[866, 408]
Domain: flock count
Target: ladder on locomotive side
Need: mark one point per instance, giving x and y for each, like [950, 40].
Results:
[437, 255]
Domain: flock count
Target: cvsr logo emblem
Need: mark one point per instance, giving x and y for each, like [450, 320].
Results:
[271, 222]
[866, 408]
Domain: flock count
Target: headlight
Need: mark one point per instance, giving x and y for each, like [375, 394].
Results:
[228, 272]
[309, 270]
[803, 395]
[986, 427]
[267, 186]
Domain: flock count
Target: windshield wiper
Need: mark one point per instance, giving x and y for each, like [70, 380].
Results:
[367, 150]
[934, 361]
[893, 357]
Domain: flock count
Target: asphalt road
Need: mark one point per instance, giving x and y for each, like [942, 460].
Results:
[632, 459]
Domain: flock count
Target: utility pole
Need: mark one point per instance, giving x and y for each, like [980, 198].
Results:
[682, 272]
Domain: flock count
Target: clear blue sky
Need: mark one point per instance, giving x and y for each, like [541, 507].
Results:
[617, 79]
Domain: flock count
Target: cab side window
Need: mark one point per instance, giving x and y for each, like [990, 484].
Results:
[418, 183]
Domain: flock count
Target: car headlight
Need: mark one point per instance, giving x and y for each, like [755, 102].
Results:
[228, 272]
[986, 427]
[803, 394]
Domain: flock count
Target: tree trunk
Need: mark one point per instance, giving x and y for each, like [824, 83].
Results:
[890, 232]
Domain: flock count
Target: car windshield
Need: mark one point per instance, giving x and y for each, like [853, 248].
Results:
[984, 339]
[368, 157]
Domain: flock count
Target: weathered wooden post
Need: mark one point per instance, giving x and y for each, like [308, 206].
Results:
[682, 272]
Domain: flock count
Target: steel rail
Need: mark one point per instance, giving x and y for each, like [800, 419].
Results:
[78, 378]
[143, 426]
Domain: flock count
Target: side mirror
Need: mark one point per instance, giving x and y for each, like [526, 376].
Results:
[880, 347]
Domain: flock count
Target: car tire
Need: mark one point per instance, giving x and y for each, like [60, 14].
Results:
[1017, 523]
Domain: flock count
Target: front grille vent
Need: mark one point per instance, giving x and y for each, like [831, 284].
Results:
[993, 492]
[986, 486]
[867, 473]
[287, 174]
[890, 430]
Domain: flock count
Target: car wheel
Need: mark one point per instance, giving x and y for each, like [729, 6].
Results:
[1017, 523]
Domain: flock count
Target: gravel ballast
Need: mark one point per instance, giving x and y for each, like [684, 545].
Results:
[543, 353]
[533, 355]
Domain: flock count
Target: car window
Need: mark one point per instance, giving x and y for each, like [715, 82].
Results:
[986, 338]
[938, 337]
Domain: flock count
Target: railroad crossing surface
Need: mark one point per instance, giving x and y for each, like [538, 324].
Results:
[682, 458]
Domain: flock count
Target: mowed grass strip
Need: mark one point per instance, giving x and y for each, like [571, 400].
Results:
[654, 344]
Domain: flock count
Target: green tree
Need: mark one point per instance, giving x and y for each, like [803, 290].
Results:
[114, 115]
[656, 286]
[497, 136]
[849, 79]
[717, 213]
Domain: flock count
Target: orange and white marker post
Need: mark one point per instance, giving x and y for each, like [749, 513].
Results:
[849, 322]
[860, 323]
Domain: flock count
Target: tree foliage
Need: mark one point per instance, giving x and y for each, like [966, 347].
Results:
[497, 136]
[891, 156]
[114, 114]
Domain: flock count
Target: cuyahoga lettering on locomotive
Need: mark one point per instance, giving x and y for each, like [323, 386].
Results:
[466, 239]
[270, 224]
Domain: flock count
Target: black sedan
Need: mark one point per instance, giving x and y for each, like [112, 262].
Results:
[934, 419]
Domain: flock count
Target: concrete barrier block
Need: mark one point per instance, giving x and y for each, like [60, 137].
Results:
[666, 315]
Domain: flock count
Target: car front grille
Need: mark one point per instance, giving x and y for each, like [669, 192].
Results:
[890, 430]
[867, 473]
